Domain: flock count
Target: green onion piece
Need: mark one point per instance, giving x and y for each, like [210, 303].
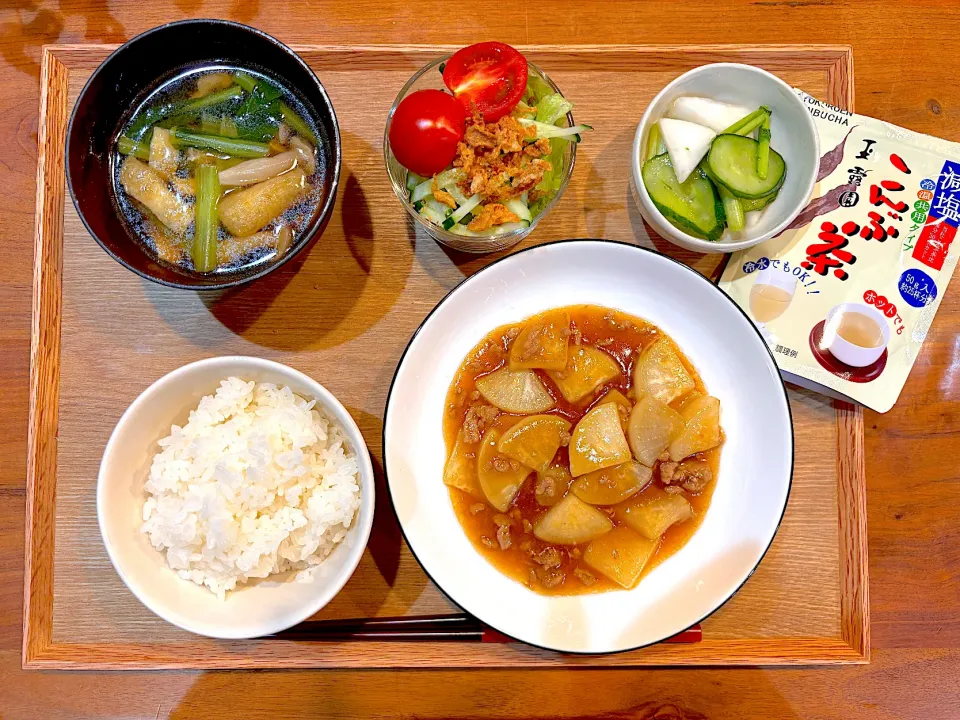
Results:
[204, 250]
[763, 148]
[752, 125]
[245, 81]
[183, 109]
[752, 121]
[732, 208]
[128, 146]
[218, 143]
[297, 123]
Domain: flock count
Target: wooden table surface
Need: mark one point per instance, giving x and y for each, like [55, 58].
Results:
[905, 73]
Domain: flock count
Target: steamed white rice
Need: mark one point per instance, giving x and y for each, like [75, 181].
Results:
[258, 482]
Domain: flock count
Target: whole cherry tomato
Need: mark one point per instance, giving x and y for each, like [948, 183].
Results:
[425, 130]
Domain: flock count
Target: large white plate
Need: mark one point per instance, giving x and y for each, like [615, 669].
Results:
[755, 467]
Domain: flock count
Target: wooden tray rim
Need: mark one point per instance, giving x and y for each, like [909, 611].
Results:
[39, 650]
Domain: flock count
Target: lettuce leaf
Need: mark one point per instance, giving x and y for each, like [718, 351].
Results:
[552, 108]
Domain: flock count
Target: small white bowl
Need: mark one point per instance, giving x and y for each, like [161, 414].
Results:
[756, 462]
[846, 351]
[260, 608]
[794, 137]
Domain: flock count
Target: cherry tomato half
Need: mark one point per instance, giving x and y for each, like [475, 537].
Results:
[489, 76]
[425, 130]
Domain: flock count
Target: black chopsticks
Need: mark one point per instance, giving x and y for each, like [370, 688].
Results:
[423, 628]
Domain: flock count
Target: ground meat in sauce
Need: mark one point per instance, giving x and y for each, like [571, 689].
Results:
[549, 577]
[549, 557]
[565, 437]
[546, 485]
[504, 464]
[693, 475]
[503, 537]
[584, 576]
[531, 346]
[477, 508]
[667, 471]
[478, 418]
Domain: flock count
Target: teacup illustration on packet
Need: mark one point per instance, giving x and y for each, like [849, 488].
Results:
[852, 342]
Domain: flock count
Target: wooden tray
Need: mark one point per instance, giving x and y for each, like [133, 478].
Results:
[344, 315]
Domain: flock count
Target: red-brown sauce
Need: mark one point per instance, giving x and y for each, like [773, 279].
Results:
[623, 337]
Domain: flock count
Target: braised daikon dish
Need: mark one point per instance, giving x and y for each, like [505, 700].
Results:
[582, 449]
[218, 169]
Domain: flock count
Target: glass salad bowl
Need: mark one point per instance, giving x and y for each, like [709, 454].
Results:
[430, 77]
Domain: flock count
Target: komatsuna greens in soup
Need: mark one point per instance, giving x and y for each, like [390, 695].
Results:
[218, 169]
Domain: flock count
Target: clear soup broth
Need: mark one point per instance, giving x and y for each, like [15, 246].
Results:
[218, 169]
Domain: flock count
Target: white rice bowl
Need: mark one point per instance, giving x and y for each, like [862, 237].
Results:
[258, 482]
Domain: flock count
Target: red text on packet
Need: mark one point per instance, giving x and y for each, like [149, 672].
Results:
[878, 198]
[870, 297]
[830, 254]
[899, 164]
[934, 243]
[876, 230]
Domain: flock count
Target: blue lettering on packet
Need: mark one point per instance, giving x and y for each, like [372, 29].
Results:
[927, 184]
[917, 288]
[754, 265]
[946, 198]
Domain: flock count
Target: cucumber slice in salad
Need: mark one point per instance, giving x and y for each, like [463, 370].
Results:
[422, 191]
[424, 188]
[552, 131]
[432, 214]
[454, 190]
[462, 211]
[733, 163]
[413, 180]
[693, 205]
[490, 232]
[518, 208]
[448, 177]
